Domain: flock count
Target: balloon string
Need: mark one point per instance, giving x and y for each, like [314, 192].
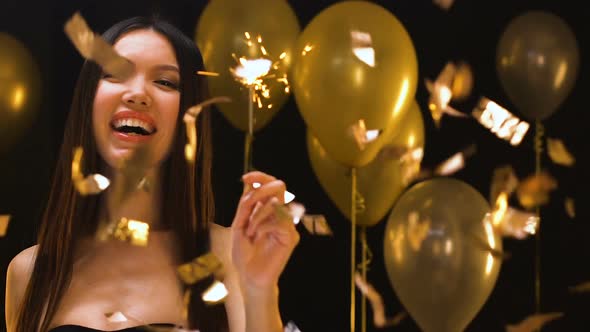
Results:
[250, 135]
[366, 258]
[353, 249]
[539, 133]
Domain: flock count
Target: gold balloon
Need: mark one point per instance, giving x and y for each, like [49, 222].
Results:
[354, 61]
[441, 253]
[379, 183]
[20, 85]
[229, 30]
[537, 62]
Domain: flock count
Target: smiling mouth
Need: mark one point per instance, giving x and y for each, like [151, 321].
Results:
[133, 127]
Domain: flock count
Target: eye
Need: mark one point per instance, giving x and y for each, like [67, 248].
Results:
[167, 83]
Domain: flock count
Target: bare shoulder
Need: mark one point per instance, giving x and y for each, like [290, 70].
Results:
[220, 242]
[17, 277]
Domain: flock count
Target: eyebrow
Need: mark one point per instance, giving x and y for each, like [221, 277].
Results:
[168, 67]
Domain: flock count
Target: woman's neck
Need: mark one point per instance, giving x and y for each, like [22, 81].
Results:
[128, 198]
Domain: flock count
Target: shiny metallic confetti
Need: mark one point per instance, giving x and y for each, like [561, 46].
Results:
[535, 190]
[4, 220]
[291, 327]
[199, 268]
[559, 153]
[441, 94]
[361, 135]
[512, 222]
[376, 302]
[503, 180]
[190, 121]
[456, 162]
[570, 207]
[128, 230]
[90, 185]
[92, 47]
[500, 122]
[362, 47]
[534, 322]
[215, 294]
[462, 82]
[316, 224]
[115, 317]
[581, 288]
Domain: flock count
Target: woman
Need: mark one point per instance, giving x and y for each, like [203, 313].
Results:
[69, 282]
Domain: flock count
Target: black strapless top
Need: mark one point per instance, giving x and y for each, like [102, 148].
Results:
[78, 328]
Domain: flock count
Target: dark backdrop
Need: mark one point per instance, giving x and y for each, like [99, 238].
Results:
[314, 287]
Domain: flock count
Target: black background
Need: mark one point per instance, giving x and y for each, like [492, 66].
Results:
[315, 285]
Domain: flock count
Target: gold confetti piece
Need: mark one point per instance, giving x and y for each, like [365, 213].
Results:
[534, 322]
[455, 162]
[581, 288]
[362, 47]
[500, 122]
[115, 317]
[376, 302]
[92, 47]
[200, 268]
[92, 184]
[4, 220]
[190, 120]
[534, 190]
[316, 224]
[214, 294]
[441, 94]
[559, 153]
[462, 82]
[417, 230]
[293, 211]
[512, 222]
[570, 207]
[291, 327]
[361, 135]
[503, 180]
[128, 230]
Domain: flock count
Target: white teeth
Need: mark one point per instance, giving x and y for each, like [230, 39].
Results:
[129, 122]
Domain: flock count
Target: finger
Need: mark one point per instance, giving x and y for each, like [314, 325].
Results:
[247, 203]
[259, 215]
[284, 232]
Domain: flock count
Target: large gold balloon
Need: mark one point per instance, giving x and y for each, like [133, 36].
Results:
[440, 253]
[379, 183]
[354, 61]
[20, 86]
[537, 62]
[229, 30]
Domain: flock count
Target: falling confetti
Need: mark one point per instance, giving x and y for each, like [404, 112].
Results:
[316, 224]
[92, 47]
[500, 122]
[441, 94]
[570, 207]
[512, 222]
[559, 153]
[4, 220]
[199, 268]
[214, 294]
[376, 301]
[190, 121]
[534, 322]
[362, 47]
[462, 82]
[361, 135]
[92, 184]
[127, 230]
[115, 317]
[417, 230]
[534, 190]
[291, 327]
[456, 162]
[503, 180]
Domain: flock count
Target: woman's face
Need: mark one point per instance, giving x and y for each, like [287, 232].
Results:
[143, 108]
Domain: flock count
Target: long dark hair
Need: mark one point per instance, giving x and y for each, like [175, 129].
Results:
[69, 216]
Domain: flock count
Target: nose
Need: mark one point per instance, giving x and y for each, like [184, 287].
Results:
[137, 97]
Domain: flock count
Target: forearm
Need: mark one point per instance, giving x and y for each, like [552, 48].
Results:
[262, 310]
